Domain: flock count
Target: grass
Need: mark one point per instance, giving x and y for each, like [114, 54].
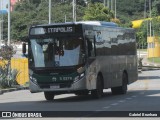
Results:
[156, 60]
[143, 50]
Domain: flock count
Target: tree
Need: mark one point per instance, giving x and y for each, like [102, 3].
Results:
[156, 26]
[156, 8]
[7, 76]
[97, 11]
[141, 34]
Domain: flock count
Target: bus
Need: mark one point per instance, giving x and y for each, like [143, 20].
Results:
[81, 58]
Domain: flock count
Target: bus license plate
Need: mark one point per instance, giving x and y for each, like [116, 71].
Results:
[54, 86]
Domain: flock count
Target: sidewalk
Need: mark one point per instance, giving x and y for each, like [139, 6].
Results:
[12, 89]
[145, 62]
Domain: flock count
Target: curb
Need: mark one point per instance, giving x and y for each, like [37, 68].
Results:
[139, 70]
[13, 89]
[146, 68]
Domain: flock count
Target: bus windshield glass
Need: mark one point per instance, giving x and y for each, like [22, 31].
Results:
[57, 52]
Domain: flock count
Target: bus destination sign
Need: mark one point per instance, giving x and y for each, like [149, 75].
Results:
[50, 30]
[60, 30]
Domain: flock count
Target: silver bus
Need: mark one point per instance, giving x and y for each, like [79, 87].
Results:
[82, 58]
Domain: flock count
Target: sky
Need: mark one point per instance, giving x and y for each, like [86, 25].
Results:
[3, 4]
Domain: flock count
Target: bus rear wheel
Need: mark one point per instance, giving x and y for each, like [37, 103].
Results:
[98, 92]
[121, 89]
[49, 95]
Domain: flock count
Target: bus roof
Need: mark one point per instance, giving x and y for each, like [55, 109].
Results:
[98, 23]
[101, 23]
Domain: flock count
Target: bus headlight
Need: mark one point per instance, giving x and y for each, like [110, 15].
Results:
[34, 80]
[79, 77]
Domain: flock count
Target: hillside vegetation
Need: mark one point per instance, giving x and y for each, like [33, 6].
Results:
[29, 12]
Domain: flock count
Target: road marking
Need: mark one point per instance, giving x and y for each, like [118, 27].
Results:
[134, 96]
[122, 101]
[141, 93]
[114, 104]
[78, 119]
[128, 98]
[98, 110]
[107, 107]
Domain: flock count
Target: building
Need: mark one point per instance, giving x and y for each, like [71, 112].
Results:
[4, 5]
[13, 2]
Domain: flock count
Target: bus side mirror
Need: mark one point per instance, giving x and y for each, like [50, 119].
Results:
[24, 48]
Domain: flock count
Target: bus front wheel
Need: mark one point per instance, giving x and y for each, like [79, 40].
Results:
[49, 95]
[98, 92]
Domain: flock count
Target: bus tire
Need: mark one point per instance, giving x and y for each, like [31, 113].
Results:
[49, 95]
[122, 89]
[98, 92]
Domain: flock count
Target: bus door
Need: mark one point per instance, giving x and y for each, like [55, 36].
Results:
[91, 59]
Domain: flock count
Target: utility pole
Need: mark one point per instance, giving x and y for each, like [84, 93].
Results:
[74, 10]
[65, 18]
[9, 22]
[108, 5]
[104, 2]
[145, 9]
[112, 5]
[150, 15]
[50, 6]
[0, 26]
[115, 9]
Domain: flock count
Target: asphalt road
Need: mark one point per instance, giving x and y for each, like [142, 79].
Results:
[143, 95]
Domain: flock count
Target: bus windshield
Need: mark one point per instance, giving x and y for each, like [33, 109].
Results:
[57, 51]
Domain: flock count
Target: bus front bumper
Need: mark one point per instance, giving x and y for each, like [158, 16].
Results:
[75, 86]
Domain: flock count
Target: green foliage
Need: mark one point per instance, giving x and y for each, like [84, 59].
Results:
[156, 8]
[26, 84]
[156, 26]
[97, 11]
[7, 76]
[6, 80]
[141, 34]
[29, 12]
[156, 59]
[6, 52]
